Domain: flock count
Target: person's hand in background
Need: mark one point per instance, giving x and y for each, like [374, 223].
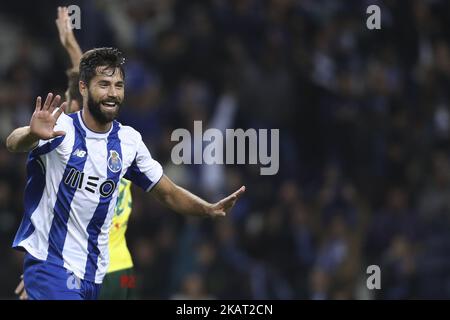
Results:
[67, 37]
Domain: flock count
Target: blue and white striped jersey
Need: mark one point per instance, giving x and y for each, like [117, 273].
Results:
[72, 190]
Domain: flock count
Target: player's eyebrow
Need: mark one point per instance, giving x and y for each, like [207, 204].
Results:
[104, 81]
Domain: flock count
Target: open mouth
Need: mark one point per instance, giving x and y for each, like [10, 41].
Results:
[109, 104]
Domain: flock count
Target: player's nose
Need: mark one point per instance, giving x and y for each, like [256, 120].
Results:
[112, 92]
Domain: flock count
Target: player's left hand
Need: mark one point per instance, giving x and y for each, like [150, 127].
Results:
[221, 208]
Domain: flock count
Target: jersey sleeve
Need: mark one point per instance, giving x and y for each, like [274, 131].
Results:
[46, 146]
[145, 172]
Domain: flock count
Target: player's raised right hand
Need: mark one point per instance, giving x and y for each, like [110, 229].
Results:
[44, 118]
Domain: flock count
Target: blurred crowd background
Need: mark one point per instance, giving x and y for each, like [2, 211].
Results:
[364, 140]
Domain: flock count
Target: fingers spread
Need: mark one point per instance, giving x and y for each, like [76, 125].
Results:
[54, 103]
[38, 104]
[48, 101]
[239, 192]
[59, 110]
[228, 199]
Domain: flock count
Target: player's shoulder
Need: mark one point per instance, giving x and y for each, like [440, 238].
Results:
[65, 122]
[65, 118]
[129, 134]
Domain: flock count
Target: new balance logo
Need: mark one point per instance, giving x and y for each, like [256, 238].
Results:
[80, 153]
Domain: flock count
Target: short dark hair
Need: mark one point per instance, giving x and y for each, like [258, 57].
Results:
[110, 58]
[74, 92]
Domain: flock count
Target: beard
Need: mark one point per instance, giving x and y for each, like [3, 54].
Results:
[101, 113]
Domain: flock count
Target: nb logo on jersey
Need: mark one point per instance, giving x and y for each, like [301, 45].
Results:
[75, 179]
[80, 153]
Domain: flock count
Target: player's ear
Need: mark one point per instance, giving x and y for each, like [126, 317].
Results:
[82, 87]
[83, 91]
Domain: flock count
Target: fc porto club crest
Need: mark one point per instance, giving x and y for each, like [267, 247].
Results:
[114, 161]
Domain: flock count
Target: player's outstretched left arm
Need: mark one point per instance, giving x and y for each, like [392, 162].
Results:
[184, 202]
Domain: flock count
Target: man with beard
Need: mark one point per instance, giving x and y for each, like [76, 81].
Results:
[119, 281]
[74, 168]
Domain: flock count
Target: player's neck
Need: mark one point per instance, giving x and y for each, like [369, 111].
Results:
[93, 124]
